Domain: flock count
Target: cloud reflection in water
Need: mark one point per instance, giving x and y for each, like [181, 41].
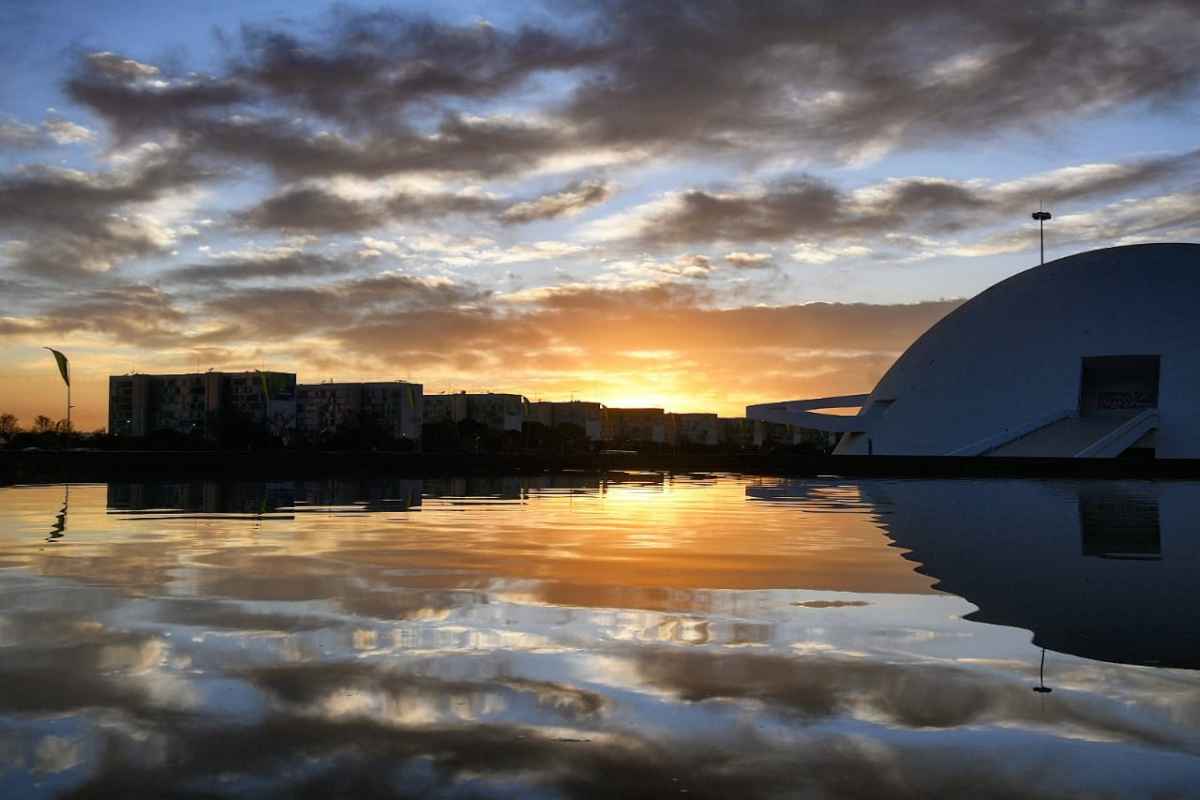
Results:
[564, 637]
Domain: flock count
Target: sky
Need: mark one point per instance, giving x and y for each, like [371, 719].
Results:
[690, 205]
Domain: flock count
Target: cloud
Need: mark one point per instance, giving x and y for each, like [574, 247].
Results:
[920, 696]
[271, 312]
[743, 260]
[16, 135]
[762, 81]
[553, 339]
[130, 314]
[471, 250]
[362, 726]
[459, 332]
[770, 77]
[811, 253]
[371, 66]
[112, 66]
[293, 150]
[136, 98]
[1131, 221]
[316, 209]
[817, 212]
[569, 201]
[72, 223]
[282, 262]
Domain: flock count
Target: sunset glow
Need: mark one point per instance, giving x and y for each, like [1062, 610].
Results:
[541, 208]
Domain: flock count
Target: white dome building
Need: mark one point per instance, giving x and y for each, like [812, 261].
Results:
[1092, 355]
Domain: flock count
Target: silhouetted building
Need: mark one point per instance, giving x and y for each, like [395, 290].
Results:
[741, 433]
[1090, 356]
[635, 425]
[736, 432]
[693, 429]
[502, 412]
[445, 408]
[588, 416]
[200, 403]
[387, 409]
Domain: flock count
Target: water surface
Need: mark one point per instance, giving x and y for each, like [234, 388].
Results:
[635, 636]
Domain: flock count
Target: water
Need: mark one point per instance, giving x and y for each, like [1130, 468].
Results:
[638, 636]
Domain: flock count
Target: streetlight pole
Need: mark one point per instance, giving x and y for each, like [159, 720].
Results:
[1041, 217]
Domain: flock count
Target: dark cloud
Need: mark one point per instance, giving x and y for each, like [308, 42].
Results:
[458, 144]
[136, 98]
[759, 79]
[731, 75]
[130, 313]
[222, 615]
[49, 196]
[72, 223]
[595, 299]
[285, 264]
[569, 200]
[358, 754]
[314, 209]
[370, 66]
[31, 679]
[275, 312]
[810, 208]
[924, 695]
[308, 685]
[785, 210]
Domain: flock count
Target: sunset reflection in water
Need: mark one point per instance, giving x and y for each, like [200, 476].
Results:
[572, 636]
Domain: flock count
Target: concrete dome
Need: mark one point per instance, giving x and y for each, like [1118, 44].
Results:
[1052, 362]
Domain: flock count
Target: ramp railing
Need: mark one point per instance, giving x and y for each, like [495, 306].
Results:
[1111, 444]
[1009, 434]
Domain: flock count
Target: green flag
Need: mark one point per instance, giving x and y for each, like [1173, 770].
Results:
[64, 366]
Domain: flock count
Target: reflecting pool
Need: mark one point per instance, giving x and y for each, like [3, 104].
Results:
[636, 635]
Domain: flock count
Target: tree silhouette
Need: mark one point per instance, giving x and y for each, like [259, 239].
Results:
[9, 425]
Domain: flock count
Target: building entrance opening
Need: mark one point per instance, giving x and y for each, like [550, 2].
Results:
[1118, 385]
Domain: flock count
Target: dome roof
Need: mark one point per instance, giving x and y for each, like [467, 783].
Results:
[1014, 354]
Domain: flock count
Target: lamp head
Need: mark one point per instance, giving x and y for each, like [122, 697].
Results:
[1041, 216]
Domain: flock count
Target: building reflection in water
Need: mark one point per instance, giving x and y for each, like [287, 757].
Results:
[1106, 570]
[572, 636]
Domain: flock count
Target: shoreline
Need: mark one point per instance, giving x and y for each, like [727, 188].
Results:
[48, 466]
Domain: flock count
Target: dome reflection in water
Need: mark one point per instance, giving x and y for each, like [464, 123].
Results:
[634, 636]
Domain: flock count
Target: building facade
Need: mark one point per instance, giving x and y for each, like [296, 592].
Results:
[635, 425]
[693, 429]
[585, 415]
[390, 409]
[501, 412]
[199, 403]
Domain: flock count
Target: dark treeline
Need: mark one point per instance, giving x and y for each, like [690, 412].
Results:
[466, 436]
